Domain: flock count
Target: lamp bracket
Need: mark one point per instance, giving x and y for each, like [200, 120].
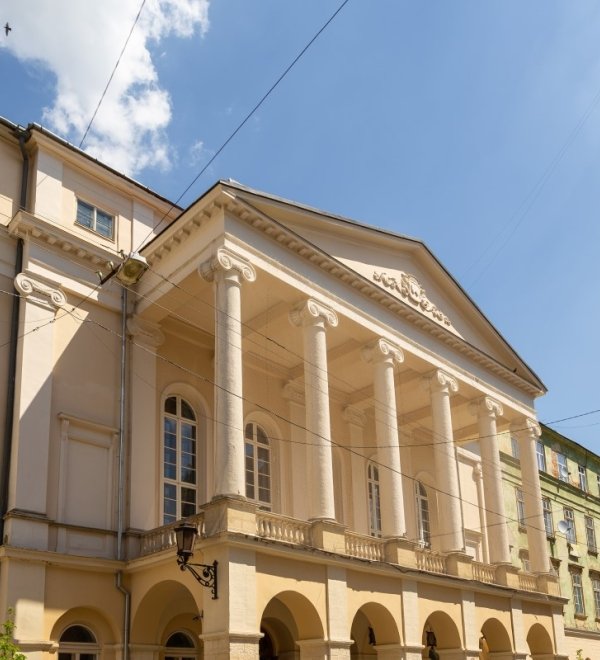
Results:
[207, 577]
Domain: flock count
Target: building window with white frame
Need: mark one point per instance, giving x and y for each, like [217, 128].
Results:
[423, 523]
[180, 473]
[578, 601]
[179, 646]
[77, 643]
[258, 465]
[374, 497]
[520, 507]
[590, 535]
[548, 519]
[581, 471]
[563, 467]
[569, 516]
[541, 456]
[596, 591]
[92, 218]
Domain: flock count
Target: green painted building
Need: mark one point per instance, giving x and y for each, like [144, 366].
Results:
[570, 482]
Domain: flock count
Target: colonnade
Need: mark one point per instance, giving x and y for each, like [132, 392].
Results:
[228, 271]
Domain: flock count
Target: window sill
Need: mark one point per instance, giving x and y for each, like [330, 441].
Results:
[581, 617]
[593, 552]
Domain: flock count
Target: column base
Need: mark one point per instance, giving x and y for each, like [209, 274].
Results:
[507, 575]
[460, 564]
[229, 514]
[328, 535]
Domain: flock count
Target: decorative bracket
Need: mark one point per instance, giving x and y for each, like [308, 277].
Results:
[207, 577]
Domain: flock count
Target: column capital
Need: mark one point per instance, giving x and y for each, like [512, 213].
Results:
[486, 407]
[354, 415]
[311, 312]
[146, 333]
[226, 260]
[45, 294]
[526, 428]
[294, 392]
[440, 381]
[382, 350]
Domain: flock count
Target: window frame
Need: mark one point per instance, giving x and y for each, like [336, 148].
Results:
[256, 445]
[562, 462]
[582, 477]
[172, 652]
[578, 595]
[374, 500]
[422, 506]
[177, 482]
[540, 452]
[595, 580]
[569, 517]
[515, 449]
[520, 507]
[548, 517]
[93, 227]
[590, 535]
[74, 650]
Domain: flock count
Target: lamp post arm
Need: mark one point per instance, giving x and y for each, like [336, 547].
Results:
[207, 577]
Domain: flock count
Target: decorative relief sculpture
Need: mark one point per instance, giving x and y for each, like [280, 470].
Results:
[409, 289]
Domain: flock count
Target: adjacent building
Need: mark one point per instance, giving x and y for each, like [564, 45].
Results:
[320, 399]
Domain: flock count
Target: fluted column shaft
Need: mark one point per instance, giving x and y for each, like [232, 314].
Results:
[383, 356]
[442, 386]
[487, 410]
[527, 432]
[227, 270]
[314, 318]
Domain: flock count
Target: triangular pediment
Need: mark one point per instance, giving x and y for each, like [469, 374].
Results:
[403, 267]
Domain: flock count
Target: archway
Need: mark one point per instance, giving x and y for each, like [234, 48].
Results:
[287, 619]
[539, 641]
[372, 626]
[440, 633]
[495, 640]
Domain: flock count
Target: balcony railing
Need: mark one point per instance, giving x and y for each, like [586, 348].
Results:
[484, 572]
[163, 537]
[527, 582]
[364, 547]
[430, 561]
[282, 528]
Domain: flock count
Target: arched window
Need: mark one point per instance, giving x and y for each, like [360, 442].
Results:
[258, 465]
[422, 507]
[180, 646]
[77, 643]
[180, 474]
[374, 499]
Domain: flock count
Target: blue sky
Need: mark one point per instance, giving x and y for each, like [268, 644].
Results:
[456, 122]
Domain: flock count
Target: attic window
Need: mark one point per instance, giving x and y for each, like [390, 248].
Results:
[98, 221]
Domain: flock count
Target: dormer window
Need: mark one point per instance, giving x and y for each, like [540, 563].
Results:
[98, 221]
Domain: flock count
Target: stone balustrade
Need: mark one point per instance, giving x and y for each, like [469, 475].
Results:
[528, 582]
[484, 572]
[430, 561]
[162, 538]
[282, 528]
[364, 547]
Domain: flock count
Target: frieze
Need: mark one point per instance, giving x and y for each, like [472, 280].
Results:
[409, 289]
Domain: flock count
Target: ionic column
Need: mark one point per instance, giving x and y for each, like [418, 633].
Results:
[487, 410]
[314, 318]
[527, 431]
[384, 355]
[228, 270]
[441, 386]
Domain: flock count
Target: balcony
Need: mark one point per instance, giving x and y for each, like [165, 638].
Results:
[228, 515]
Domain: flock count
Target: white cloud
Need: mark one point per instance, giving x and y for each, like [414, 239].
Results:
[79, 42]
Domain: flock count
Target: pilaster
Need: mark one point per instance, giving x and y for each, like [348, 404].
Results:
[294, 394]
[356, 419]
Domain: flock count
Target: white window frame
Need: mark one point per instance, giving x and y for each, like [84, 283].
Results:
[183, 509]
[569, 516]
[423, 514]
[596, 591]
[578, 597]
[253, 449]
[520, 506]
[548, 517]
[514, 447]
[76, 649]
[563, 467]
[180, 652]
[582, 474]
[94, 219]
[540, 451]
[590, 535]
[374, 499]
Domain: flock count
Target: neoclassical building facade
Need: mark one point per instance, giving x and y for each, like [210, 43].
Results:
[318, 398]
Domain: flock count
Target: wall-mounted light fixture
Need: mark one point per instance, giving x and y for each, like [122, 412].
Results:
[185, 535]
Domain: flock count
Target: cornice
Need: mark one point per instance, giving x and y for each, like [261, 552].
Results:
[292, 241]
[25, 225]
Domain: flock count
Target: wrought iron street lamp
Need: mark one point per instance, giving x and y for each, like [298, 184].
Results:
[185, 535]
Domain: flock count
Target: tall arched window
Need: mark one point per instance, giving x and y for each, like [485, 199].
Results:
[180, 646]
[258, 465]
[77, 643]
[180, 475]
[374, 499]
[422, 507]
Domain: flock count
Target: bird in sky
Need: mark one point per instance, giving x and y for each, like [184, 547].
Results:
[7, 29]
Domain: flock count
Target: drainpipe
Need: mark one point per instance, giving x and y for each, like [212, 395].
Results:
[6, 450]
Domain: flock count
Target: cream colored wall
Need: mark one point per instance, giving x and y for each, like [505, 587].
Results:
[10, 177]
